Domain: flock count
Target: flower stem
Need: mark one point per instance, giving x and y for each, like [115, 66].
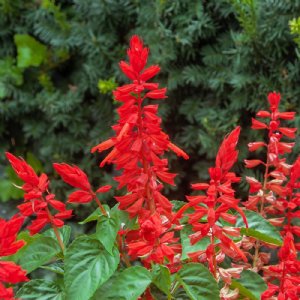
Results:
[102, 209]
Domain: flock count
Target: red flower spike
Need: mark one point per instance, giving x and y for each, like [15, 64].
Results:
[37, 199]
[215, 205]
[139, 142]
[22, 169]
[275, 198]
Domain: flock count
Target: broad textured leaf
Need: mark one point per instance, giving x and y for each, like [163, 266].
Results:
[87, 266]
[30, 51]
[186, 244]
[126, 285]
[161, 277]
[106, 231]
[259, 228]
[40, 289]
[250, 285]
[38, 251]
[198, 282]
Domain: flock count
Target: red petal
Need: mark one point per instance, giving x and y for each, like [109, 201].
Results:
[80, 197]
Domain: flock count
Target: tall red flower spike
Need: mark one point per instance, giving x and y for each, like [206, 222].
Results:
[273, 198]
[214, 205]
[38, 200]
[137, 149]
[10, 273]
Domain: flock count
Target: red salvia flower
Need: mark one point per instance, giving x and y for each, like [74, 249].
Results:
[75, 177]
[214, 205]
[10, 273]
[154, 241]
[277, 197]
[137, 150]
[8, 234]
[37, 199]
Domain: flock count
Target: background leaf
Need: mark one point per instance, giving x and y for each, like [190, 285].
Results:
[30, 51]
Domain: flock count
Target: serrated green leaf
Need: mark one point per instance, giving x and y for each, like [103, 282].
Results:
[40, 289]
[161, 277]
[87, 266]
[259, 228]
[187, 247]
[30, 51]
[198, 282]
[126, 285]
[250, 285]
[106, 231]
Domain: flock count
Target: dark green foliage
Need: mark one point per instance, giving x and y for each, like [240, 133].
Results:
[219, 59]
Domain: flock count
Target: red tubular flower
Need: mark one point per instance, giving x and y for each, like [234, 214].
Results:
[219, 199]
[10, 273]
[287, 272]
[75, 177]
[37, 199]
[8, 234]
[153, 242]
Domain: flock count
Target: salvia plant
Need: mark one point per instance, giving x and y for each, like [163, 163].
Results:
[212, 246]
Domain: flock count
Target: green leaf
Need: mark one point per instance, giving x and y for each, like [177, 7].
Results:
[186, 244]
[106, 231]
[126, 285]
[125, 220]
[95, 215]
[56, 267]
[250, 285]
[198, 282]
[87, 266]
[161, 277]
[40, 289]
[64, 232]
[38, 251]
[259, 228]
[30, 51]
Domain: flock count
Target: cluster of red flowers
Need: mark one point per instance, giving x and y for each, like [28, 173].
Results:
[10, 273]
[277, 200]
[138, 146]
[38, 200]
[211, 209]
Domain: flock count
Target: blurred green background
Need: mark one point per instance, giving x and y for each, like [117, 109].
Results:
[59, 65]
